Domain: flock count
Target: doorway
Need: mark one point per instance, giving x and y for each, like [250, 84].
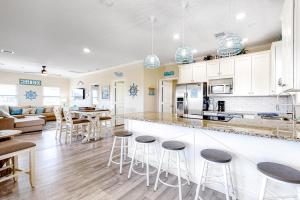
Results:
[167, 91]
[119, 102]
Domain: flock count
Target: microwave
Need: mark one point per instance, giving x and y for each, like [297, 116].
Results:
[220, 86]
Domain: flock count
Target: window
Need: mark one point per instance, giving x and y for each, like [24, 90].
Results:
[95, 94]
[8, 95]
[51, 96]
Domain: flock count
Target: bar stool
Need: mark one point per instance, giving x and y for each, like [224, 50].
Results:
[278, 173]
[123, 136]
[146, 141]
[175, 147]
[223, 159]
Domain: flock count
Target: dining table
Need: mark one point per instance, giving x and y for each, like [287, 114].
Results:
[94, 132]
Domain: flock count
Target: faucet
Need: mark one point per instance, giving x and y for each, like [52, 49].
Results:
[293, 105]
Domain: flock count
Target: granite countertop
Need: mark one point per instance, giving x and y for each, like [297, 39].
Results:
[252, 127]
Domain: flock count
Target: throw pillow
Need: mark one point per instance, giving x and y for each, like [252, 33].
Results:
[33, 110]
[5, 108]
[26, 111]
[48, 109]
[15, 111]
[4, 114]
[39, 110]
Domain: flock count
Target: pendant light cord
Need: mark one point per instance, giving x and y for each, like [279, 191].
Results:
[152, 37]
[183, 20]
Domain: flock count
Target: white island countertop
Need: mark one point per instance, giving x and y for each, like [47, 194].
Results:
[249, 141]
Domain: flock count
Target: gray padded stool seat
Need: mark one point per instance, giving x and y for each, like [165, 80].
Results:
[173, 145]
[215, 155]
[145, 139]
[280, 172]
[222, 160]
[122, 133]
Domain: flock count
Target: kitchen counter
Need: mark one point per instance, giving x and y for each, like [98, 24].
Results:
[252, 127]
[249, 141]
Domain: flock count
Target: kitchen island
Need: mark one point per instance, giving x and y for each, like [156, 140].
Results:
[249, 141]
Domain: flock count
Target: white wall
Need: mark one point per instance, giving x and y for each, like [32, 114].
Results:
[132, 73]
[13, 78]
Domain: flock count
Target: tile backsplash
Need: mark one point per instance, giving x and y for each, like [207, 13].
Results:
[253, 104]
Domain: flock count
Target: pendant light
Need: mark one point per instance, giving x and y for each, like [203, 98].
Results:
[152, 61]
[184, 53]
[229, 44]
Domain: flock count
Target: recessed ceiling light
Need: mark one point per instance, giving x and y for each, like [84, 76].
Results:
[7, 51]
[176, 36]
[240, 16]
[244, 40]
[86, 50]
[194, 50]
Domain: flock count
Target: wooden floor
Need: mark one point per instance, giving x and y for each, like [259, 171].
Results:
[79, 171]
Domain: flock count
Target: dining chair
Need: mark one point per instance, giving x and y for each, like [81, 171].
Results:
[105, 121]
[59, 121]
[74, 127]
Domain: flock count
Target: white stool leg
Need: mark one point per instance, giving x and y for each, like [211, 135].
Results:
[168, 164]
[60, 130]
[186, 168]
[226, 183]
[159, 169]
[132, 161]
[147, 167]
[298, 192]
[231, 182]
[179, 176]
[66, 136]
[204, 175]
[263, 188]
[121, 155]
[200, 181]
[112, 152]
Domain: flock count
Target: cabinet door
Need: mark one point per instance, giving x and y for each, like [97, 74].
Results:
[242, 76]
[276, 68]
[185, 74]
[199, 72]
[213, 69]
[226, 68]
[261, 74]
[287, 20]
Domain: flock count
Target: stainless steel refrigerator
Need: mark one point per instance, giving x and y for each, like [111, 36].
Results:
[191, 100]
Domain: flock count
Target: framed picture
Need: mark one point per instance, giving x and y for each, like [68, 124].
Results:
[105, 92]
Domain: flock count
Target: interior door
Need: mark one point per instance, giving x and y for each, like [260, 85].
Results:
[167, 97]
[119, 102]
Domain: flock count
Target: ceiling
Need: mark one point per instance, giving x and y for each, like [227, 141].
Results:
[54, 32]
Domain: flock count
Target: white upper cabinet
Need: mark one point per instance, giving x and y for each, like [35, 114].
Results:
[213, 69]
[185, 74]
[290, 19]
[199, 72]
[261, 74]
[226, 68]
[242, 76]
[276, 68]
[192, 73]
